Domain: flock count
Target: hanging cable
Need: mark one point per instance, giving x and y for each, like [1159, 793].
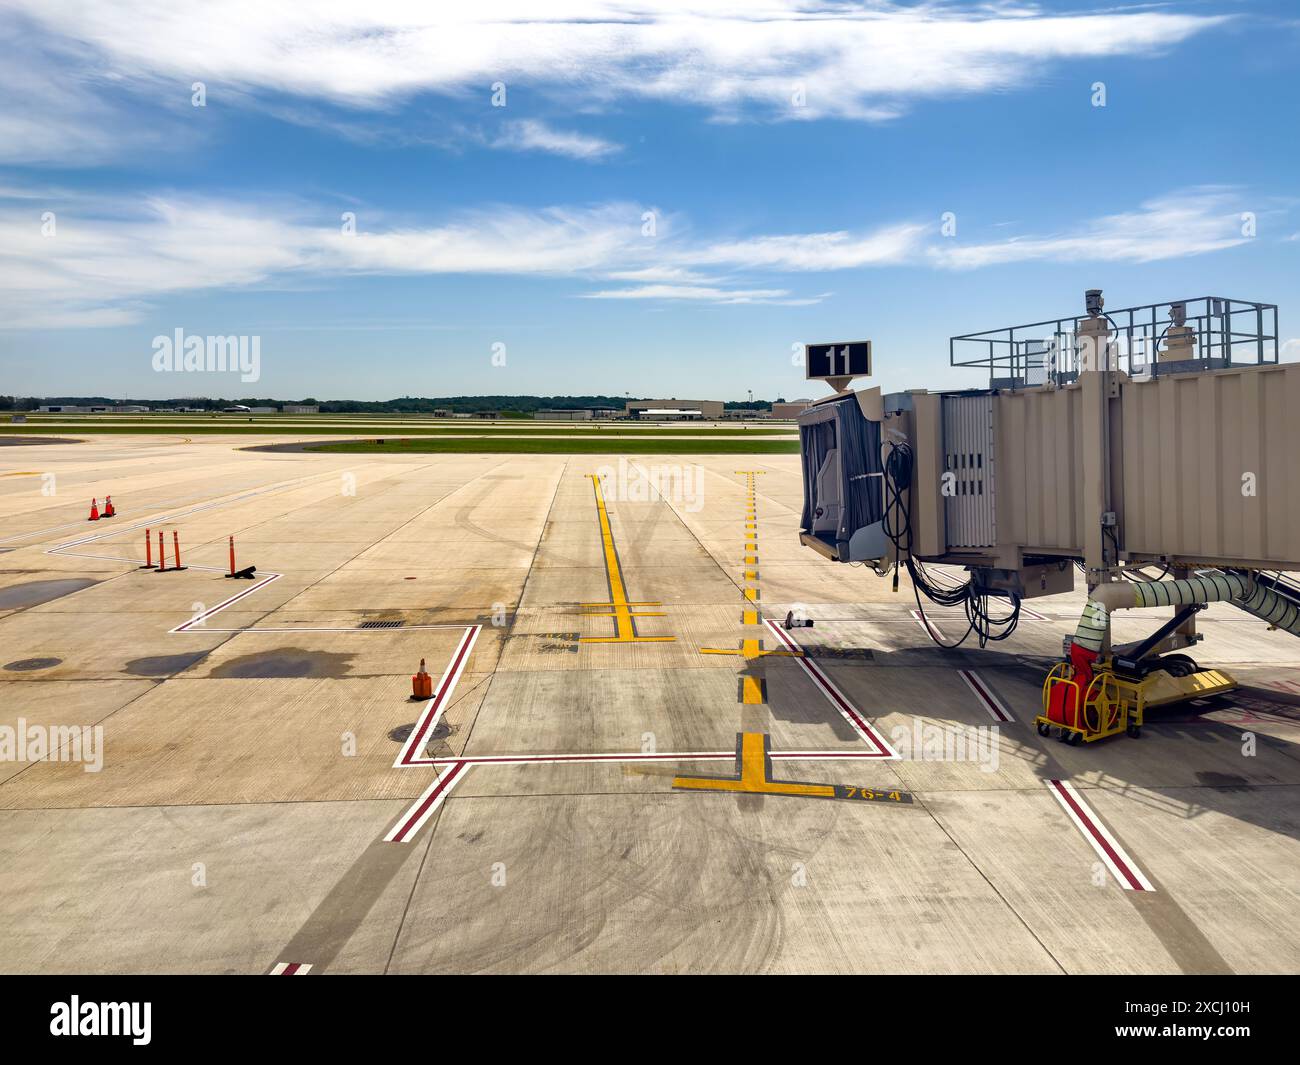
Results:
[937, 587]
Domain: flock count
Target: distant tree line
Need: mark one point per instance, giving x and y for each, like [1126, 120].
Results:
[518, 406]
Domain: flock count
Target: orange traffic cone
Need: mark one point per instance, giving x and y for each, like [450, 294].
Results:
[422, 684]
[109, 512]
[94, 510]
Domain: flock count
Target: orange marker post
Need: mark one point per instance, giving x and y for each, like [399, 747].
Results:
[162, 553]
[148, 551]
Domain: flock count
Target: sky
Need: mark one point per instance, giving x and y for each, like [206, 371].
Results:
[654, 198]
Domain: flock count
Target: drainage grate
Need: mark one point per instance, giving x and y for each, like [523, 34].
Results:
[381, 624]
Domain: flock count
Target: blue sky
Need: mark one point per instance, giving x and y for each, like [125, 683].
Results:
[795, 161]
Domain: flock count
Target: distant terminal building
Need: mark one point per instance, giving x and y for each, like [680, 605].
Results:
[605, 412]
[442, 412]
[264, 410]
[579, 414]
[675, 409]
[99, 408]
[790, 410]
[301, 408]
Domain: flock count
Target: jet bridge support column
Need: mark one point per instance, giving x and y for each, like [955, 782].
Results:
[1101, 533]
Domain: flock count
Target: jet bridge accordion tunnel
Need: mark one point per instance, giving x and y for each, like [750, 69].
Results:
[1152, 451]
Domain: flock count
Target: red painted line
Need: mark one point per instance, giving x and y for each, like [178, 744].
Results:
[557, 759]
[434, 707]
[927, 626]
[635, 756]
[1101, 840]
[985, 696]
[863, 727]
[291, 968]
[424, 806]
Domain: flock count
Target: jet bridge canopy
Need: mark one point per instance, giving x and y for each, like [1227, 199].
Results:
[843, 480]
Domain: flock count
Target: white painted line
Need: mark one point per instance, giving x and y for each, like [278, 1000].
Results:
[637, 756]
[949, 614]
[433, 709]
[1122, 867]
[836, 697]
[927, 626]
[186, 626]
[567, 759]
[413, 820]
[330, 628]
[291, 968]
[996, 708]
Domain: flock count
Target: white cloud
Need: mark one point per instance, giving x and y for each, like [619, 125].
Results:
[710, 294]
[531, 135]
[861, 62]
[110, 259]
[1171, 227]
[814, 251]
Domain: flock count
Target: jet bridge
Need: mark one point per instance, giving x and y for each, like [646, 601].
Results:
[1150, 448]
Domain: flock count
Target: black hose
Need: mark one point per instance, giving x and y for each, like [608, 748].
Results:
[897, 524]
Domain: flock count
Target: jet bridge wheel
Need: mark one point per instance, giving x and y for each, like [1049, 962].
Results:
[1177, 665]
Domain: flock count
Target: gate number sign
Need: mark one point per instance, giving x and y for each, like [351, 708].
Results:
[851, 358]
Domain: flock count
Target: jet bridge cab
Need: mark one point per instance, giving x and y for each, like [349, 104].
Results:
[843, 505]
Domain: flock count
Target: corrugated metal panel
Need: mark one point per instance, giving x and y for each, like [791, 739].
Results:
[969, 456]
[1040, 497]
[1211, 465]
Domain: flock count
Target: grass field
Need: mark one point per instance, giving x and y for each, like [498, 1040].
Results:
[308, 429]
[566, 446]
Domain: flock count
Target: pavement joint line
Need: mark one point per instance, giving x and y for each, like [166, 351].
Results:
[173, 517]
[752, 649]
[1108, 848]
[196, 621]
[81, 522]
